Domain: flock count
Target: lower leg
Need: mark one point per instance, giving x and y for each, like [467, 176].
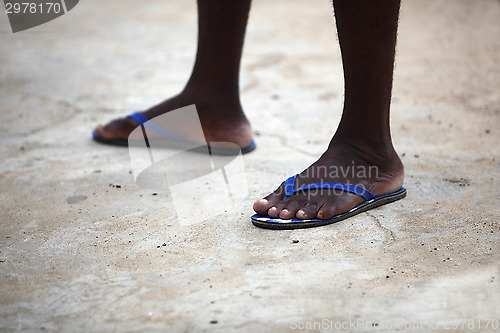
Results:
[367, 34]
[213, 86]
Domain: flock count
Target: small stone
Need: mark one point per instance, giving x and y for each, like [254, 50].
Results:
[295, 241]
[213, 322]
[164, 244]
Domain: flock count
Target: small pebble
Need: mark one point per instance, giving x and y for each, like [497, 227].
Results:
[213, 322]
[295, 241]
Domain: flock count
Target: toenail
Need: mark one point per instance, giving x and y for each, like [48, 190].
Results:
[264, 201]
[301, 212]
[285, 210]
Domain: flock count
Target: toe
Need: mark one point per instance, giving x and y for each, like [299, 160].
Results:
[308, 211]
[262, 206]
[284, 207]
[101, 131]
[116, 129]
[327, 211]
[107, 131]
[273, 212]
[289, 210]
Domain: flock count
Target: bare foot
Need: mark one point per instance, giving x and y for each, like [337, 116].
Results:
[378, 170]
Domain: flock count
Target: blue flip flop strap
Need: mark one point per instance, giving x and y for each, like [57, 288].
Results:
[138, 118]
[290, 184]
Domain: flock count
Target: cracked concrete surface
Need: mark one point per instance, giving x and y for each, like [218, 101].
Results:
[77, 254]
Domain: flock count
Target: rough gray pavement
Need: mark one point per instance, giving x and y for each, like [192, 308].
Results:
[77, 254]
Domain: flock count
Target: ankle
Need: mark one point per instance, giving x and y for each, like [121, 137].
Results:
[379, 153]
[211, 90]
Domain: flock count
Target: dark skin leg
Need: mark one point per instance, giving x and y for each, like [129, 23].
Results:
[213, 86]
[367, 34]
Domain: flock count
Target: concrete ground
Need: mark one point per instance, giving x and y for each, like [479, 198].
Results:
[78, 253]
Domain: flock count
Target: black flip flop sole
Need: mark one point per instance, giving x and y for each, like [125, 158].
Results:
[280, 224]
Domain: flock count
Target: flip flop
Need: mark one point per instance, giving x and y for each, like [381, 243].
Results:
[140, 119]
[371, 201]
